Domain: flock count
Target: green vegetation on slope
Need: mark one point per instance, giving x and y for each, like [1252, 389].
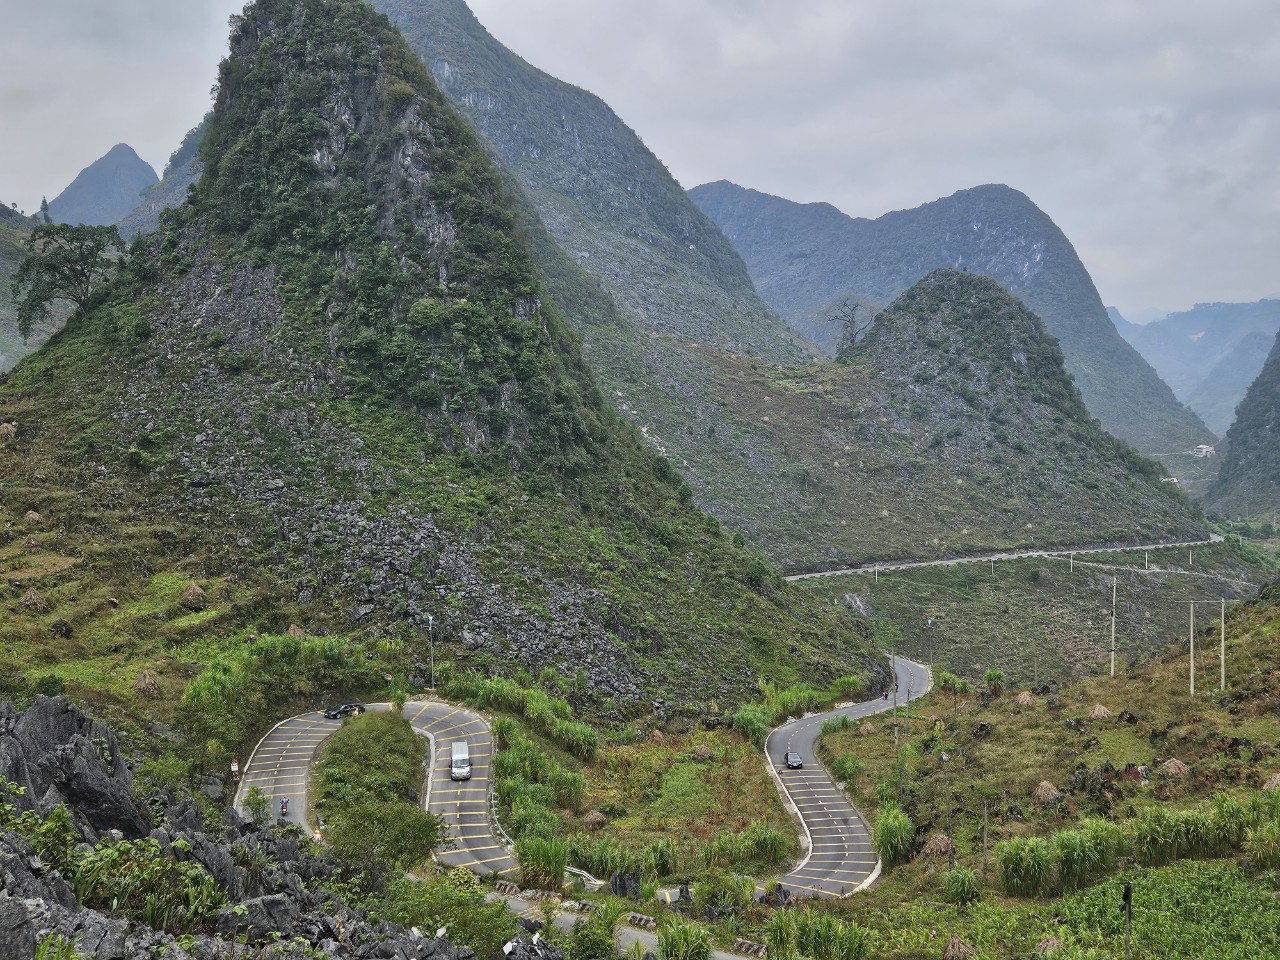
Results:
[13, 231]
[388, 423]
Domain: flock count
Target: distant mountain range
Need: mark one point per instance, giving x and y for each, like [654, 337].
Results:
[805, 258]
[1249, 478]
[105, 191]
[1209, 354]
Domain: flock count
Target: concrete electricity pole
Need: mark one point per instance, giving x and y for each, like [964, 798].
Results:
[1113, 626]
[1222, 650]
[1191, 638]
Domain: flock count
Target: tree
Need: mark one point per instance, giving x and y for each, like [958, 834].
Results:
[846, 314]
[66, 263]
[44, 210]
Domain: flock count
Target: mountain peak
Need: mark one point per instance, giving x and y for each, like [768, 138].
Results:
[106, 190]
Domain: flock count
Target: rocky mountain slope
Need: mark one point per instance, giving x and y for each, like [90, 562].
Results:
[333, 392]
[106, 190]
[952, 427]
[1249, 476]
[805, 256]
[182, 170]
[1210, 354]
[243, 888]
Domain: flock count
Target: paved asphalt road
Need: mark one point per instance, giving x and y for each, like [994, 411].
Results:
[1007, 555]
[841, 858]
[280, 767]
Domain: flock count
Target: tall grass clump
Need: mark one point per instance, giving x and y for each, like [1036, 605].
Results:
[847, 768]
[960, 886]
[1109, 839]
[763, 842]
[1025, 865]
[850, 685]
[893, 833]
[824, 936]
[837, 724]
[542, 862]
[1262, 844]
[1230, 822]
[753, 722]
[1079, 858]
[1157, 836]
[719, 891]
[679, 940]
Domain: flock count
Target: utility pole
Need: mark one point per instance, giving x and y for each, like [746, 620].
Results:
[984, 838]
[894, 668]
[946, 779]
[1128, 919]
[1222, 649]
[1072, 557]
[1146, 559]
[1113, 626]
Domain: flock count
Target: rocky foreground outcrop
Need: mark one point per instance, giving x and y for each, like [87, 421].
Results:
[271, 877]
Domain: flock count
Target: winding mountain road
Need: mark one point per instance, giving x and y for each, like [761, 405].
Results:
[281, 763]
[839, 856]
[1004, 555]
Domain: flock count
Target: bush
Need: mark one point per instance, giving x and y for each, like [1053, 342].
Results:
[542, 862]
[719, 891]
[995, 680]
[847, 768]
[1025, 865]
[753, 722]
[384, 838]
[763, 842]
[455, 901]
[678, 940]
[893, 834]
[960, 886]
[136, 879]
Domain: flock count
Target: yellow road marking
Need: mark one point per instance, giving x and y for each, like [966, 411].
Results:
[458, 726]
[434, 720]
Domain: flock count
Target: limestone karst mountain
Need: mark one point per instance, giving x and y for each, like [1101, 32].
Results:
[106, 190]
[804, 257]
[333, 389]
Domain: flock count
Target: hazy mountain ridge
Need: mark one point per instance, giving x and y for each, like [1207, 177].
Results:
[1207, 356]
[805, 256]
[106, 190]
[1249, 475]
[335, 386]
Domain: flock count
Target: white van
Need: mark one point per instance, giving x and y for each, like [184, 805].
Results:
[460, 765]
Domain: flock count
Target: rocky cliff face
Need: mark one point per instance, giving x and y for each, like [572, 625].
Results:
[104, 191]
[63, 758]
[804, 258]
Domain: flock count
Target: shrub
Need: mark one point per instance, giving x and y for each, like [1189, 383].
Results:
[542, 862]
[893, 833]
[849, 685]
[453, 901]
[384, 838]
[753, 722]
[678, 940]
[847, 768]
[1025, 865]
[763, 842]
[136, 879]
[960, 885]
[995, 681]
[719, 890]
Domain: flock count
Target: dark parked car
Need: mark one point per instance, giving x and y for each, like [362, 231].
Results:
[793, 761]
[345, 710]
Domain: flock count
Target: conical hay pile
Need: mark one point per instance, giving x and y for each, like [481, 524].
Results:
[1045, 792]
[1025, 699]
[147, 685]
[1099, 712]
[939, 845]
[34, 600]
[1174, 768]
[957, 949]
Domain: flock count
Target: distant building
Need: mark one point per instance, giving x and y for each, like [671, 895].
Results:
[1204, 450]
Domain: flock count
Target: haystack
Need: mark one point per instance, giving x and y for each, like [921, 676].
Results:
[594, 820]
[1272, 783]
[193, 596]
[1174, 768]
[33, 517]
[957, 949]
[867, 728]
[939, 845]
[34, 601]
[1025, 699]
[32, 545]
[702, 752]
[1045, 793]
[147, 685]
[1099, 712]
[657, 737]
[295, 631]
[8, 431]
[1049, 944]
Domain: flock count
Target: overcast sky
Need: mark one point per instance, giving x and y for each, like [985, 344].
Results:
[1150, 131]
